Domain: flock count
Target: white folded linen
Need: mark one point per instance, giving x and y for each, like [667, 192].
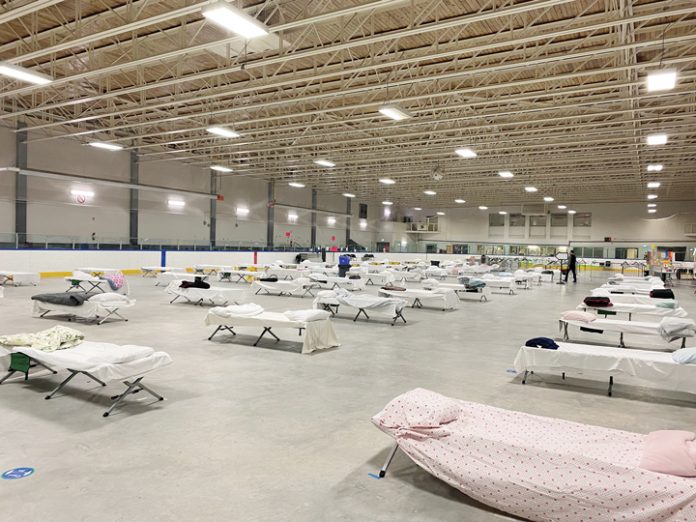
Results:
[244, 310]
[675, 327]
[109, 298]
[79, 274]
[306, 316]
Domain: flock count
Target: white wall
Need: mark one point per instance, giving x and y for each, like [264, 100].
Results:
[68, 260]
[244, 192]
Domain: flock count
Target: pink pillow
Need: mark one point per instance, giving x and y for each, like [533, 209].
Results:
[578, 315]
[418, 408]
[670, 451]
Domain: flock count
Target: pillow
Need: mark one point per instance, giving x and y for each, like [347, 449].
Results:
[684, 356]
[418, 408]
[577, 315]
[108, 298]
[670, 451]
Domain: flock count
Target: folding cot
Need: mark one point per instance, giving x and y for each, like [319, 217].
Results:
[330, 300]
[98, 307]
[413, 275]
[97, 272]
[302, 286]
[504, 283]
[168, 277]
[444, 298]
[227, 274]
[84, 282]
[657, 309]
[286, 273]
[384, 278]
[331, 282]
[631, 298]
[670, 328]
[318, 331]
[537, 468]
[215, 295]
[649, 368]
[481, 293]
[101, 362]
[207, 269]
[435, 272]
[18, 278]
[152, 271]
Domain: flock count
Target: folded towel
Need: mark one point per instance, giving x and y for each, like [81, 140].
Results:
[672, 328]
[245, 310]
[307, 316]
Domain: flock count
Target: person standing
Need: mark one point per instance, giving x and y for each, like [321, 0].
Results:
[572, 264]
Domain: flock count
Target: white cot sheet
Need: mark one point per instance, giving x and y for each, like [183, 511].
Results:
[655, 369]
[286, 273]
[168, 277]
[630, 298]
[331, 282]
[105, 361]
[95, 271]
[619, 325]
[379, 305]
[628, 288]
[462, 290]
[214, 295]
[318, 335]
[291, 287]
[18, 278]
[445, 298]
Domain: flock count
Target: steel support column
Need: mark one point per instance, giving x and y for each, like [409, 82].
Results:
[21, 186]
[348, 211]
[134, 199]
[270, 215]
[313, 240]
[213, 210]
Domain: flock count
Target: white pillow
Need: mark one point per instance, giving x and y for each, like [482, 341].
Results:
[684, 356]
[108, 298]
[577, 315]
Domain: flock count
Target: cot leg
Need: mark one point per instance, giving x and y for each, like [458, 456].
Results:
[44, 313]
[266, 329]
[524, 378]
[361, 311]
[683, 343]
[216, 331]
[133, 387]
[60, 386]
[565, 332]
[417, 303]
[563, 376]
[148, 390]
[175, 298]
[94, 378]
[621, 341]
[257, 292]
[390, 457]
[8, 375]
[611, 384]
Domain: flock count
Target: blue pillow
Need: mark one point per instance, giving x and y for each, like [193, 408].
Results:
[685, 356]
[542, 342]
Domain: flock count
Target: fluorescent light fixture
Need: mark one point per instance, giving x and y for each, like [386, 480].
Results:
[348, 195]
[562, 207]
[655, 167]
[548, 199]
[220, 168]
[482, 207]
[460, 201]
[386, 181]
[652, 196]
[296, 184]
[652, 205]
[292, 217]
[387, 203]
[233, 19]
[363, 224]
[429, 192]
[242, 211]
[26, 75]
[530, 189]
[105, 146]
[440, 213]
[325, 163]
[176, 203]
[395, 112]
[502, 212]
[652, 210]
[84, 193]
[465, 152]
[331, 220]
[654, 184]
[506, 174]
[417, 208]
[656, 139]
[222, 131]
[571, 212]
[663, 80]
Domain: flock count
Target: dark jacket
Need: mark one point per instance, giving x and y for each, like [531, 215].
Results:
[572, 260]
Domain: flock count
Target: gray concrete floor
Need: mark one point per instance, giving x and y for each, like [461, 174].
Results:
[266, 434]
